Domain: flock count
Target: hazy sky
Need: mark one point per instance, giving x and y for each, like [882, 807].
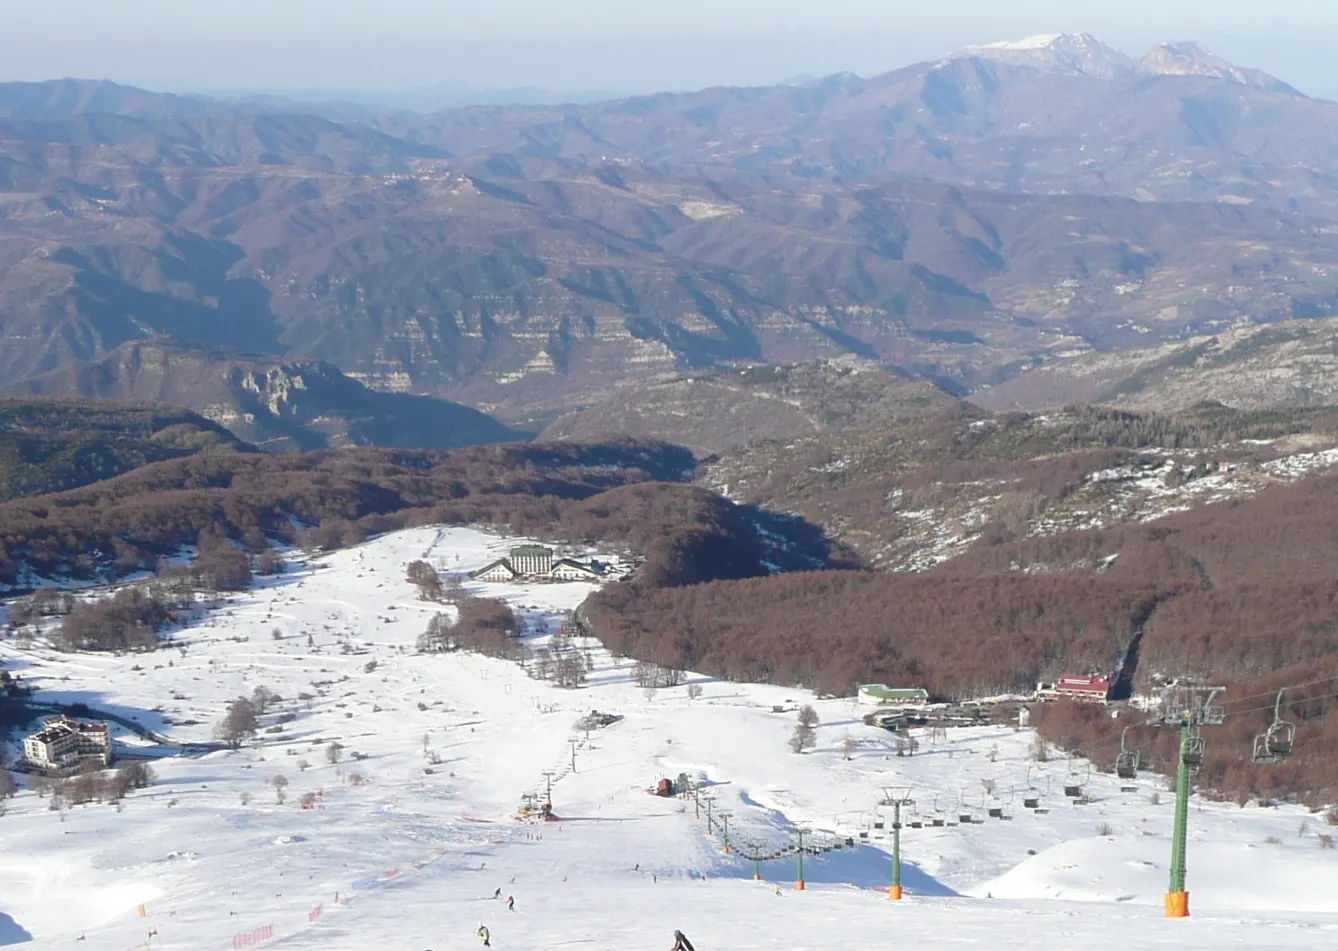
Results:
[625, 45]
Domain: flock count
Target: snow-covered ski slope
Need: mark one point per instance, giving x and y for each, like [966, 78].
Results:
[409, 859]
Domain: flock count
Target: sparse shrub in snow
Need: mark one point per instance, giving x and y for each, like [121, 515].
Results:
[1325, 841]
[8, 785]
[262, 697]
[303, 765]
[368, 667]
[131, 776]
[423, 575]
[1104, 828]
[695, 692]
[334, 752]
[269, 563]
[804, 736]
[1155, 798]
[1272, 840]
[648, 674]
[239, 724]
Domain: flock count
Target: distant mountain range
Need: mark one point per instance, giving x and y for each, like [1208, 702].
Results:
[60, 99]
[962, 220]
[1085, 55]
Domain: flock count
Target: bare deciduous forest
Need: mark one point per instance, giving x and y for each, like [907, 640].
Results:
[1240, 594]
[612, 492]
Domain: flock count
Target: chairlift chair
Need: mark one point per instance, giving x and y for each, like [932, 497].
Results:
[1275, 743]
[1126, 763]
[1192, 751]
[1077, 778]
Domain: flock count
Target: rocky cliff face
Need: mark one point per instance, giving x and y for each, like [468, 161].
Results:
[276, 404]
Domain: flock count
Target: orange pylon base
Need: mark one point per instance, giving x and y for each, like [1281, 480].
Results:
[799, 885]
[757, 877]
[725, 851]
[894, 892]
[1177, 904]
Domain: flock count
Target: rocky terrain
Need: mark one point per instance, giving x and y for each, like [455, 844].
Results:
[960, 221]
[909, 496]
[718, 412]
[279, 405]
[905, 476]
[1292, 363]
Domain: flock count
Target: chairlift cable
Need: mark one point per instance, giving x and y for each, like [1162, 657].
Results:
[1270, 693]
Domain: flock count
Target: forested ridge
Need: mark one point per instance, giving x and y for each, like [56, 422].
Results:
[621, 492]
[52, 445]
[1241, 594]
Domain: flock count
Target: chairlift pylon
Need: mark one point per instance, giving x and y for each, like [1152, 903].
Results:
[1275, 743]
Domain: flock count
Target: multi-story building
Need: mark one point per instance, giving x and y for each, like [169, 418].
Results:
[535, 562]
[531, 560]
[63, 742]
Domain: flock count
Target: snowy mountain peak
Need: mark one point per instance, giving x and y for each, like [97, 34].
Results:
[1191, 59]
[1039, 41]
[1056, 52]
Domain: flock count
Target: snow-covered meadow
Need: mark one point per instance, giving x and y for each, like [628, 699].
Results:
[415, 828]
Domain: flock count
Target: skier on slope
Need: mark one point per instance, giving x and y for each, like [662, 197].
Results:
[497, 894]
[681, 942]
[510, 902]
[484, 936]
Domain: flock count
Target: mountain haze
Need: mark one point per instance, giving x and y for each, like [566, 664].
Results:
[961, 220]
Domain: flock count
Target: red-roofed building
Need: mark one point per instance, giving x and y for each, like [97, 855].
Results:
[1093, 689]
